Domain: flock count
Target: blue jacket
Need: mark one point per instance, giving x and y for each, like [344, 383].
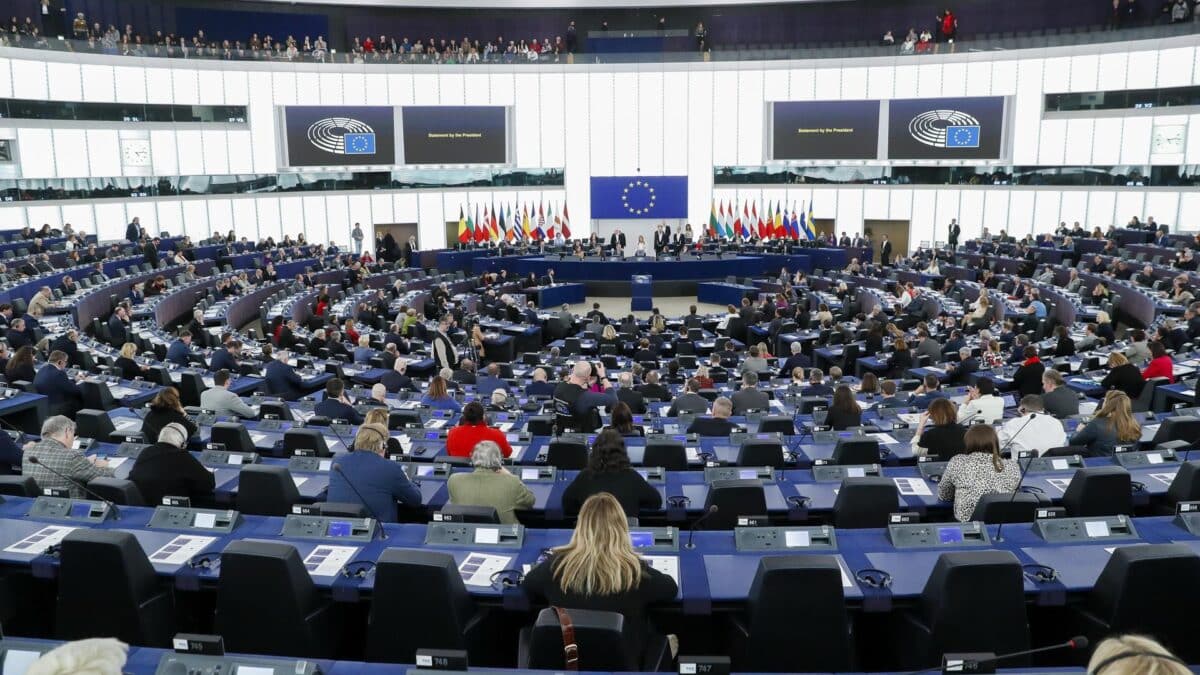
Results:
[65, 397]
[222, 359]
[283, 381]
[336, 410]
[539, 389]
[447, 403]
[363, 354]
[178, 352]
[486, 384]
[381, 482]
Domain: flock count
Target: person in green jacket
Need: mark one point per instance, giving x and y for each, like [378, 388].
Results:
[490, 484]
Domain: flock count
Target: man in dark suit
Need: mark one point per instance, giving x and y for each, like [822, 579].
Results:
[596, 315]
[796, 360]
[67, 343]
[150, 252]
[133, 231]
[662, 238]
[885, 251]
[651, 389]
[955, 230]
[283, 380]
[466, 372]
[395, 380]
[226, 357]
[539, 386]
[118, 327]
[335, 405]
[630, 396]
[718, 423]
[200, 336]
[65, 396]
[490, 381]
[617, 240]
[959, 373]
[179, 351]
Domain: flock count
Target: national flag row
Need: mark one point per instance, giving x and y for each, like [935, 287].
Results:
[727, 221]
[512, 223]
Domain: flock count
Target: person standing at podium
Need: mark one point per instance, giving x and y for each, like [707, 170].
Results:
[600, 570]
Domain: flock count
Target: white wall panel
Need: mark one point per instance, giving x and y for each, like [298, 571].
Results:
[1192, 154]
[44, 214]
[979, 78]
[330, 88]
[1074, 207]
[650, 106]
[36, 148]
[130, 84]
[170, 216]
[71, 153]
[337, 223]
[875, 204]
[235, 84]
[360, 212]
[803, 84]
[6, 84]
[431, 226]
[159, 88]
[164, 153]
[900, 204]
[676, 126]
[946, 209]
[452, 88]
[1130, 203]
[240, 158]
[700, 144]
[929, 80]
[1020, 212]
[1004, 78]
[291, 216]
[775, 84]
[623, 142]
[404, 208]
[1028, 112]
[212, 86]
[577, 147]
[1115, 67]
[1135, 140]
[308, 89]
[316, 218]
[426, 89]
[195, 219]
[1079, 141]
[1189, 212]
[283, 86]
[922, 229]
[828, 82]
[245, 217]
[220, 216]
[13, 218]
[29, 79]
[724, 118]
[354, 89]
[99, 84]
[400, 89]
[64, 81]
[269, 213]
[854, 83]
[1085, 71]
[970, 213]
[954, 79]
[1053, 142]
[382, 210]
[104, 152]
[502, 88]
[880, 82]
[1057, 75]
[1106, 146]
[376, 85]
[191, 152]
[905, 85]
[110, 220]
[849, 211]
[1101, 208]
[1143, 70]
[600, 127]
[477, 88]
[145, 211]
[995, 210]
[82, 217]
[216, 151]
[1162, 206]
[262, 123]
[1046, 208]
[750, 116]
[186, 85]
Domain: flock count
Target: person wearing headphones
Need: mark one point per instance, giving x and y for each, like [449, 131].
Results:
[367, 472]
[1134, 655]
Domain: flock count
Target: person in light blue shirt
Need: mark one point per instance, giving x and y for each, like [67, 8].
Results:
[438, 397]
[366, 472]
[363, 352]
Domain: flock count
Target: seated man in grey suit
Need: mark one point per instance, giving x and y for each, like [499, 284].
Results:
[749, 397]
[1058, 399]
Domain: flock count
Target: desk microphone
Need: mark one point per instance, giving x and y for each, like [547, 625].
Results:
[972, 665]
[79, 484]
[1024, 469]
[367, 506]
[692, 530]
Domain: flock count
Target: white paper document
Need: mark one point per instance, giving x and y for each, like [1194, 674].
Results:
[299, 480]
[911, 419]
[692, 454]
[913, 486]
[1059, 464]
[667, 564]
[123, 423]
[114, 462]
[180, 549]
[435, 424]
[38, 542]
[477, 568]
[855, 472]
[797, 539]
[327, 561]
[883, 438]
[1096, 528]
[258, 437]
[1060, 483]
[847, 582]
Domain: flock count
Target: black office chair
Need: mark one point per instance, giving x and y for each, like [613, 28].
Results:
[319, 421]
[761, 453]
[1099, 491]
[108, 569]
[974, 601]
[268, 604]
[540, 425]
[97, 424]
[266, 490]
[97, 396]
[865, 502]
[765, 639]
[118, 491]
[1185, 487]
[233, 435]
[19, 486]
[1178, 428]
[449, 618]
[856, 451]
[343, 509]
[399, 419]
[601, 638]
[471, 514]
[733, 498]
[994, 509]
[1146, 589]
[670, 455]
[191, 385]
[777, 424]
[305, 439]
[807, 403]
[569, 455]
[1145, 400]
[279, 410]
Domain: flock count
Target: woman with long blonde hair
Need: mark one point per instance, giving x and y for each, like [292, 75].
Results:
[600, 570]
[1112, 425]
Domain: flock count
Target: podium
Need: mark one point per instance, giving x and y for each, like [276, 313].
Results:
[641, 293]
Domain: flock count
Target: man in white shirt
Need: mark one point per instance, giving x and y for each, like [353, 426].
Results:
[1033, 430]
[981, 403]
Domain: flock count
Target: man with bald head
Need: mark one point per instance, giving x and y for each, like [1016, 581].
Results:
[574, 392]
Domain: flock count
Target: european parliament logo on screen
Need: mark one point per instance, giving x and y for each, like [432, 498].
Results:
[339, 135]
[945, 129]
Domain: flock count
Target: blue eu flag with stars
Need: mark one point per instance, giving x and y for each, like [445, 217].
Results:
[639, 197]
[359, 144]
[962, 136]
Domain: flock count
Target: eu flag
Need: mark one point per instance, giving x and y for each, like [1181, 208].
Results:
[962, 136]
[359, 144]
[621, 197]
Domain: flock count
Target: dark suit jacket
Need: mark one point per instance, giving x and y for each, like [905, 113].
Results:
[116, 328]
[163, 469]
[222, 359]
[336, 410]
[1028, 379]
[283, 381]
[65, 397]
[633, 399]
[712, 426]
[394, 382]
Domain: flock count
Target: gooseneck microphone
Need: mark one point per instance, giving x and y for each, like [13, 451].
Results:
[692, 530]
[1024, 468]
[1079, 642]
[79, 484]
[367, 506]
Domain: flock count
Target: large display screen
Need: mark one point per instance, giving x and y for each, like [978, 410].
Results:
[946, 128]
[455, 134]
[340, 135]
[825, 130]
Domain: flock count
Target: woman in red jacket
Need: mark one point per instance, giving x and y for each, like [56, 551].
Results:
[471, 429]
[1160, 364]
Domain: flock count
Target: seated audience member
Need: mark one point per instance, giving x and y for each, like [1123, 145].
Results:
[844, 412]
[1123, 376]
[600, 570]
[490, 484]
[1033, 430]
[58, 464]
[167, 468]
[939, 435]
[127, 367]
[718, 424]
[223, 402]
[1161, 364]
[1028, 378]
[64, 397]
[336, 404]
[396, 379]
[471, 429]
[630, 396]
[690, 402]
[622, 421]
[539, 386]
[816, 384]
[929, 390]
[1059, 400]
[166, 408]
[982, 403]
[438, 398]
[380, 482]
[651, 390]
[1134, 655]
[609, 471]
[1112, 425]
[749, 397]
[979, 470]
